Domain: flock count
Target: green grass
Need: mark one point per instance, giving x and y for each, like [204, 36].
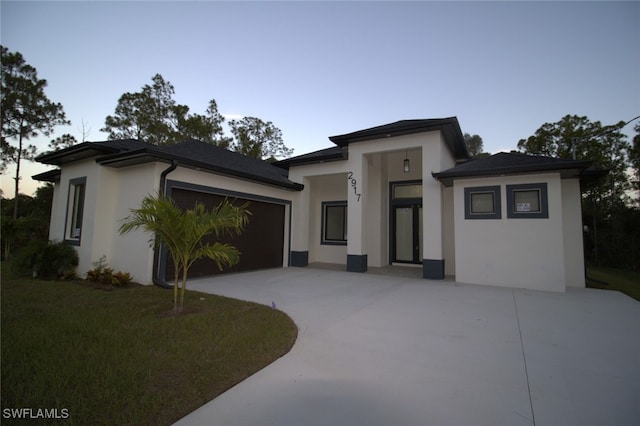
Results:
[121, 356]
[625, 281]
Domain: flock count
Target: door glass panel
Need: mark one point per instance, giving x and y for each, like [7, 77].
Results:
[404, 234]
[407, 191]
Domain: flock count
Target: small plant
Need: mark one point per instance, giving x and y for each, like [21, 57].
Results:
[121, 279]
[102, 273]
[98, 266]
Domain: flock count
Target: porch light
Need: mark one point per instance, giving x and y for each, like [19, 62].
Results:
[406, 166]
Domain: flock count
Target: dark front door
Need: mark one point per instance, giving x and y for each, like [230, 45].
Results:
[407, 233]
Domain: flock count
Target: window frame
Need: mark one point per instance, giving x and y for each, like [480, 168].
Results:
[323, 231]
[543, 199]
[75, 210]
[497, 202]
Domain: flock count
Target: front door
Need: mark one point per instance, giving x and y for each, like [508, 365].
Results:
[407, 233]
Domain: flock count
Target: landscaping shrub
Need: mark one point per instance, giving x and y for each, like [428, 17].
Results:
[102, 273]
[47, 260]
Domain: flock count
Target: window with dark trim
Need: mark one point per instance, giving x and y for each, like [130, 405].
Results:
[334, 223]
[527, 201]
[482, 202]
[75, 210]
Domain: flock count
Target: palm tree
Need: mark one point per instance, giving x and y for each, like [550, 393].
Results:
[182, 233]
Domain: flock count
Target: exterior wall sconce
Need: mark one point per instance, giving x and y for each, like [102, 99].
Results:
[406, 166]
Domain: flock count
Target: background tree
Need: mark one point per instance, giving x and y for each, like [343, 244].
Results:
[206, 128]
[182, 232]
[63, 141]
[144, 115]
[474, 145]
[258, 139]
[32, 224]
[606, 203]
[634, 158]
[25, 112]
[152, 115]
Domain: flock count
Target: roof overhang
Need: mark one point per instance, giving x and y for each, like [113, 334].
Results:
[142, 156]
[583, 170]
[48, 176]
[78, 152]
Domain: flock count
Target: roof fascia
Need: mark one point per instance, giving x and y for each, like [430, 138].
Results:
[59, 157]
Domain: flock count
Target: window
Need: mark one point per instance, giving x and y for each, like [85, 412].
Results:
[482, 202]
[334, 222]
[527, 201]
[407, 190]
[75, 210]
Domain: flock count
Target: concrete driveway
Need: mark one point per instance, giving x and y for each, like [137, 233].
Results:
[384, 350]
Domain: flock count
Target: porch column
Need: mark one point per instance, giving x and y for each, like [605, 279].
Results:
[300, 226]
[356, 195]
[433, 259]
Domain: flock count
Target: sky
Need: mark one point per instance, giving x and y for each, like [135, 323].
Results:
[319, 69]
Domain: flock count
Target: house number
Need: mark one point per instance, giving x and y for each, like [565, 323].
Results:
[354, 185]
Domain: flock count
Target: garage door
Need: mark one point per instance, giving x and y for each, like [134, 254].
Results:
[261, 244]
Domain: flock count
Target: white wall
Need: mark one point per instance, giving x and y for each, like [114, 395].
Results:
[523, 253]
[131, 252]
[573, 237]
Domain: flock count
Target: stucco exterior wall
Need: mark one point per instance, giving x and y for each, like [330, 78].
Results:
[131, 252]
[573, 237]
[522, 253]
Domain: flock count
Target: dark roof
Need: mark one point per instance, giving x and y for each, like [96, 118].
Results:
[324, 155]
[192, 153]
[89, 149]
[514, 163]
[449, 127]
[48, 176]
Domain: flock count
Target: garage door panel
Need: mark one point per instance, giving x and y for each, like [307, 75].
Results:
[261, 244]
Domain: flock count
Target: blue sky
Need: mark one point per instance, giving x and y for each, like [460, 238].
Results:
[318, 69]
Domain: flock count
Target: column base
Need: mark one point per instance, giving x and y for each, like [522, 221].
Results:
[300, 258]
[433, 269]
[357, 262]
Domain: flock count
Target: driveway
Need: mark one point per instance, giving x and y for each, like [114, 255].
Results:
[384, 350]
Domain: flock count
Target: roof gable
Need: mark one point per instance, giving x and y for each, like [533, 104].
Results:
[449, 127]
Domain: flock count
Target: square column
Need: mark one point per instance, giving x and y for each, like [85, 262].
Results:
[433, 258]
[356, 214]
[300, 226]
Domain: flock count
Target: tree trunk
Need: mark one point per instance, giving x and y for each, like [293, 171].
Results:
[17, 178]
[184, 285]
[175, 288]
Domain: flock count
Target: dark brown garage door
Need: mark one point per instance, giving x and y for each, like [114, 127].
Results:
[261, 244]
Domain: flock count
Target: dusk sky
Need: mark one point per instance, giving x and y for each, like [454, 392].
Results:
[318, 69]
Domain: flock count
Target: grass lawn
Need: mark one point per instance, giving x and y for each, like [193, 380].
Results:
[121, 357]
[625, 281]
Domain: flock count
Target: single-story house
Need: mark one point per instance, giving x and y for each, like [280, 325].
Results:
[404, 193]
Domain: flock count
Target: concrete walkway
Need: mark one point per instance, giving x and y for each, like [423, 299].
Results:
[384, 350]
